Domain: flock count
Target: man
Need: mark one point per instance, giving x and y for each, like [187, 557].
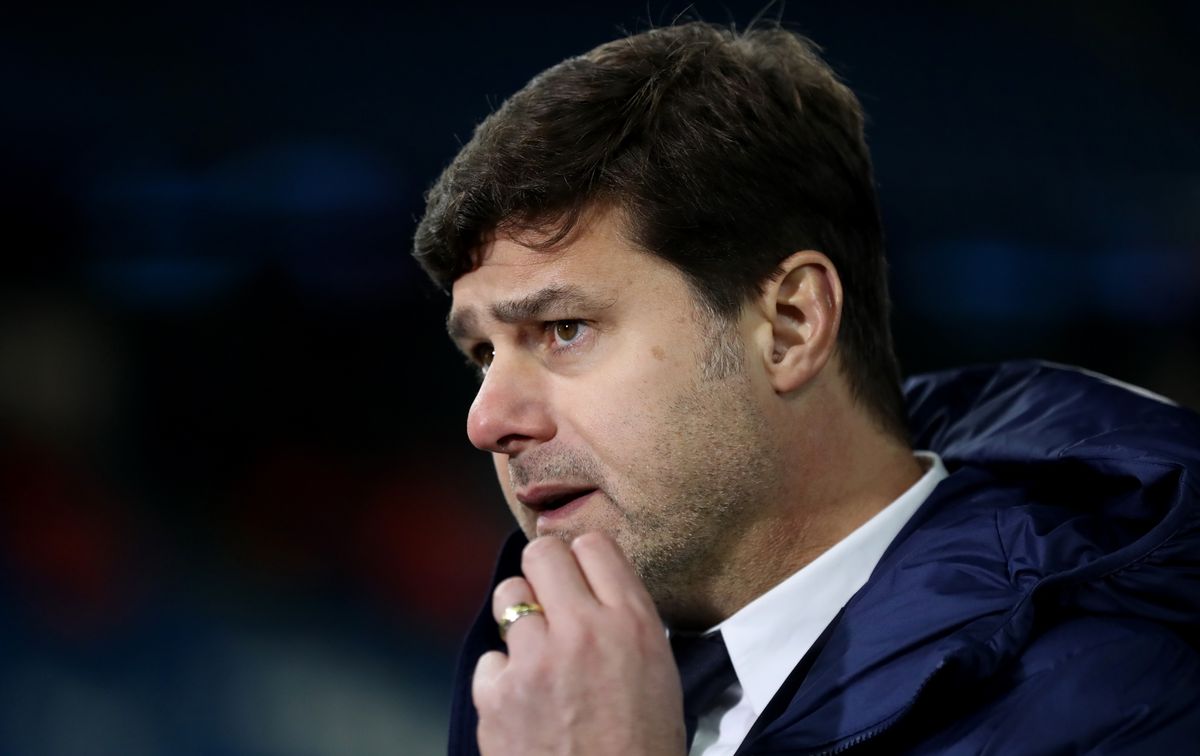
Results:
[666, 261]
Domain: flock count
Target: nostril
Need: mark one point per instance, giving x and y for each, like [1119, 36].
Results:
[512, 443]
[508, 440]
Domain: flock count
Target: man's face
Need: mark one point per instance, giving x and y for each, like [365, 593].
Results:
[600, 407]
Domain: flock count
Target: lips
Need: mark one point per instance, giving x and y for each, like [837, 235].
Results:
[547, 498]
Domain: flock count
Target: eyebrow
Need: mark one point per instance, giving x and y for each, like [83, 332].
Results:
[533, 306]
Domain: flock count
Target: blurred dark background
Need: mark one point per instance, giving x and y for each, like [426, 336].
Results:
[238, 512]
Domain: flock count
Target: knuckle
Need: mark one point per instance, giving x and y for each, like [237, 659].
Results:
[510, 588]
[511, 583]
[595, 546]
[539, 548]
[592, 540]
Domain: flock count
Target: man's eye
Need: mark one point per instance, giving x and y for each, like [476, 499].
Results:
[566, 331]
[482, 355]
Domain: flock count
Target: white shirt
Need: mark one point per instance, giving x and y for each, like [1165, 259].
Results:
[768, 637]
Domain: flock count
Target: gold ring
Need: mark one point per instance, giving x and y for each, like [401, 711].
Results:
[515, 612]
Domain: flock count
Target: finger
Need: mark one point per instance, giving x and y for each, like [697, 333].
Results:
[487, 672]
[608, 572]
[513, 590]
[529, 627]
[554, 575]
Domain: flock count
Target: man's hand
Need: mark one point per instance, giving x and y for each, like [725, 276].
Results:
[593, 675]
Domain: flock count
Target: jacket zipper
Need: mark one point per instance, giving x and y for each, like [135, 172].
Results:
[879, 729]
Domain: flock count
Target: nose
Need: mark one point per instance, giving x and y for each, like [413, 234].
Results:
[511, 411]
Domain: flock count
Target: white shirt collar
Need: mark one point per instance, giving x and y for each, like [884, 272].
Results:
[769, 636]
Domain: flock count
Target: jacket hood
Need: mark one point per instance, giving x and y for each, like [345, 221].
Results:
[1109, 474]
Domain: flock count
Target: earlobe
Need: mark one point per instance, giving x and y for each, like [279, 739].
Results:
[803, 304]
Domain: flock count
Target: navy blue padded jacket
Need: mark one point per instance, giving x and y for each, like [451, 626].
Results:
[1044, 600]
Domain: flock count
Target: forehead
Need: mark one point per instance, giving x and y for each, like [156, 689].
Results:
[595, 239]
[596, 262]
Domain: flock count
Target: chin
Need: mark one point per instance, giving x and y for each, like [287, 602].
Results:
[562, 534]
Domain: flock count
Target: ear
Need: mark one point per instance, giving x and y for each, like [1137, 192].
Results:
[802, 303]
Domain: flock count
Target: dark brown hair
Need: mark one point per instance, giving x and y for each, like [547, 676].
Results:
[726, 152]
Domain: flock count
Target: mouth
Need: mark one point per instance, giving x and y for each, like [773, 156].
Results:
[554, 504]
[550, 498]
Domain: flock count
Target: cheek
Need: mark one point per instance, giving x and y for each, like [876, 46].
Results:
[620, 418]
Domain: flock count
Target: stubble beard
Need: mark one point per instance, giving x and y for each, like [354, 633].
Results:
[719, 469]
[679, 511]
[715, 469]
